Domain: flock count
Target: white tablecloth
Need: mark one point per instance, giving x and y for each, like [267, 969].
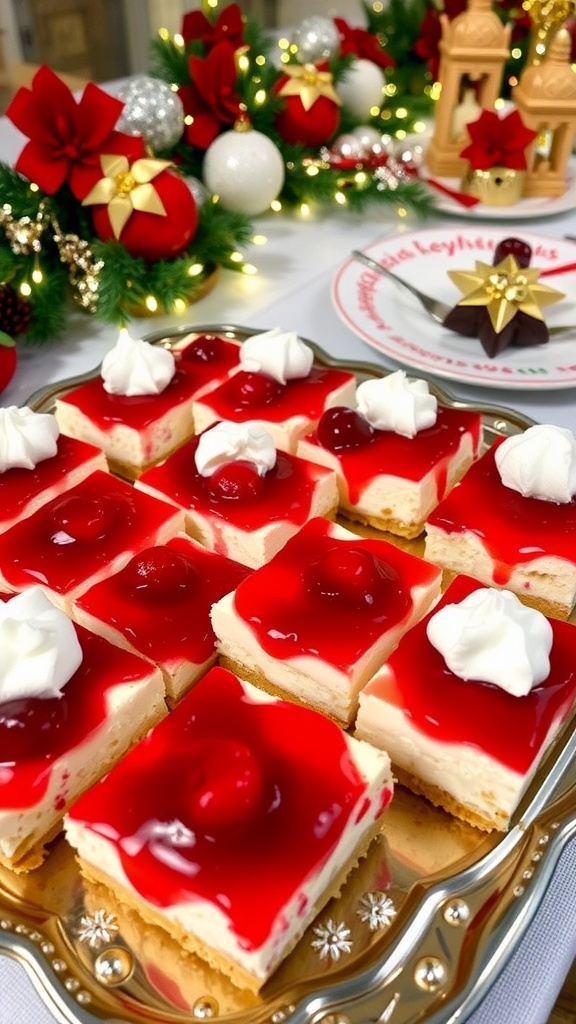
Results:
[292, 290]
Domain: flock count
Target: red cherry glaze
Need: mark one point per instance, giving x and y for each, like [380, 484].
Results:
[308, 777]
[223, 784]
[209, 354]
[253, 390]
[75, 518]
[451, 710]
[135, 411]
[166, 623]
[285, 490]
[343, 428]
[289, 617]
[51, 727]
[63, 544]
[513, 529]
[20, 487]
[32, 724]
[306, 398]
[236, 481]
[356, 575]
[160, 574]
[516, 247]
[409, 457]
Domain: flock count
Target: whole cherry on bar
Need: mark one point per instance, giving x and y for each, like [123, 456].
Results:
[341, 427]
[516, 247]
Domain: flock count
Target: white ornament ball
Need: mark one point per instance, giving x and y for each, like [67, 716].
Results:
[362, 88]
[245, 169]
[317, 38]
[151, 110]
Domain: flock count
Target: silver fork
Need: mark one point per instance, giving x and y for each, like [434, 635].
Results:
[434, 307]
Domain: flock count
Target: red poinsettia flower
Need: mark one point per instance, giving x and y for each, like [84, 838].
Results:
[357, 42]
[430, 33]
[228, 25]
[498, 141]
[66, 136]
[211, 100]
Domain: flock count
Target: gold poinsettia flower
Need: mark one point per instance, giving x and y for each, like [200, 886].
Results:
[307, 82]
[125, 187]
[505, 289]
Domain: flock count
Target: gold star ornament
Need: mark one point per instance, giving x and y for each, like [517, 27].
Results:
[504, 290]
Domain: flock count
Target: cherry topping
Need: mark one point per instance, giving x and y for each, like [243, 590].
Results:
[206, 349]
[160, 574]
[235, 481]
[254, 388]
[341, 427]
[76, 518]
[516, 247]
[223, 783]
[31, 727]
[355, 575]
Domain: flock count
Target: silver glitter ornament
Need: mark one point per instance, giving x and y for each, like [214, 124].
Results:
[198, 189]
[348, 147]
[151, 110]
[317, 38]
[370, 140]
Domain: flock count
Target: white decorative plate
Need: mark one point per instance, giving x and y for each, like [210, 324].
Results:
[389, 319]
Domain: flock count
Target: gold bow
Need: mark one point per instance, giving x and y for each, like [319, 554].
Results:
[505, 289]
[307, 82]
[127, 187]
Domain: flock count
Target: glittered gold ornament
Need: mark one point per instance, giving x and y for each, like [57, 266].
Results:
[547, 17]
[23, 234]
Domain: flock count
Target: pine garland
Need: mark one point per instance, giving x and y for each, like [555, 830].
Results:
[122, 282]
[170, 62]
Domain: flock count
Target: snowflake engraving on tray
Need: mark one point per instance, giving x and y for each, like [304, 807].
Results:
[97, 929]
[377, 910]
[333, 940]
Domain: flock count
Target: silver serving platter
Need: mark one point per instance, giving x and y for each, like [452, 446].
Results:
[422, 927]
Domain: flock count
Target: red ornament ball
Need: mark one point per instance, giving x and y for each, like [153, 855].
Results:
[312, 127]
[153, 236]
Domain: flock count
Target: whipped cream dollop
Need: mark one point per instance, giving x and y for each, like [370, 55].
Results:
[540, 463]
[135, 367]
[396, 403]
[40, 648]
[229, 442]
[26, 437]
[492, 637]
[277, 353]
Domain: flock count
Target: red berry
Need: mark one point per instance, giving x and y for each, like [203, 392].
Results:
[31, 727]
[160, 574]
[254, 389]
[206, 349]
[341, 427]
[223, 783]
[75, 518]
[354, 574]
[235, 481]
[8, 360]
[516, 247]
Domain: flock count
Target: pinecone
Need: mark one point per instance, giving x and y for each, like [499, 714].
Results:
[15, 312]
